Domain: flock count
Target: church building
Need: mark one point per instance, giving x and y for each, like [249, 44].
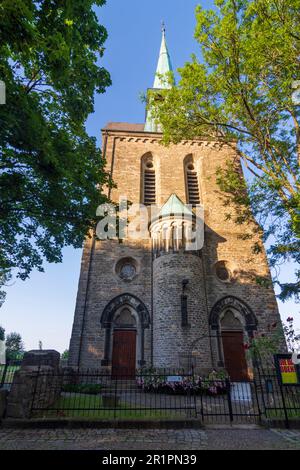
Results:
[154, 302]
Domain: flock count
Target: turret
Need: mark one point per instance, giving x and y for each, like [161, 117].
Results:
[180, 320]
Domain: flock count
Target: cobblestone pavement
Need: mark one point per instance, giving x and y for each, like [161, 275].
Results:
[168, 439]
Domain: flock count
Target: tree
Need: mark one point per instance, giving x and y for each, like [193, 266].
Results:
[14, 346]
[51, 171]
[2, 334]
[65, 354]
[5, 276]
[242, 90]
[292, 337]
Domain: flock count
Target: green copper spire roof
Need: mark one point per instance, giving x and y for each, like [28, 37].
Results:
[174, 206]
[164, 63]
[164, 66]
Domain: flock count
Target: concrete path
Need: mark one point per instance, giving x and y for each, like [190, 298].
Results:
[162, 439]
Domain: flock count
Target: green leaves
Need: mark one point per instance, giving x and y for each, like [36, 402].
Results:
[242, 91]
[51, 171]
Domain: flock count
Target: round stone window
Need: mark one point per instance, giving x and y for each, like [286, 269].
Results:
[126, 269]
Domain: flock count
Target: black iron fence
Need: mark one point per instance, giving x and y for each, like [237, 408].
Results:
[229, 402]
[279, 402]
[99, 395]
[164, 394]
[7, 372]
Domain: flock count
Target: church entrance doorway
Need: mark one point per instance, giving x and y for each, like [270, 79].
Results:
[124, 354]
[234, 355]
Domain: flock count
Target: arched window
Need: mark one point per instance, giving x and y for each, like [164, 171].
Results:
[192, 183]
[148, 180]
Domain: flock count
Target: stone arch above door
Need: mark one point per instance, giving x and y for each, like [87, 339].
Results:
[230, 302]
[113, 309]
[123, 300]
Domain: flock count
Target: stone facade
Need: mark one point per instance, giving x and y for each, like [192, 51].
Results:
[221, 276]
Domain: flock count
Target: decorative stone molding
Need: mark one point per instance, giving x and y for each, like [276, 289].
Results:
[171, 235]
[125, 299]
[233, 302]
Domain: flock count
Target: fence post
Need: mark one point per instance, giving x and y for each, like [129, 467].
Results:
[228, 389]
[115, 400]
[194, 391]
[257, 400]
[286, 417]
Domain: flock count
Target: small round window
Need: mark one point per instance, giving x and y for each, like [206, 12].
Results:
[126, 269]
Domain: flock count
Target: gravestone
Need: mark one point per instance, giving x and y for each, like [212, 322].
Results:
[35, 374]
[41, 358]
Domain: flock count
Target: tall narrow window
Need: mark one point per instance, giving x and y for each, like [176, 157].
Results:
[149, 182]
[192, 183]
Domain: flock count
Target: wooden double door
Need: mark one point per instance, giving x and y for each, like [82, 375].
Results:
[234, 355]
[124, 354]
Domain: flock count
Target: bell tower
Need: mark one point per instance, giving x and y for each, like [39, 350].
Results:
[159, 300]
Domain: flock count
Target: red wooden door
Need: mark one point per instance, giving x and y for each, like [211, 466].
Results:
[124, 354]
[234, 355]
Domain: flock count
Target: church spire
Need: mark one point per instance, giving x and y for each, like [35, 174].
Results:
[164, 66]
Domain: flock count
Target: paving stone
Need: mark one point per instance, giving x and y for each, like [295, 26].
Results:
[135, 439]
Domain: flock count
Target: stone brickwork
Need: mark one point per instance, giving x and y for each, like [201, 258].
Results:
[36, 385]
[32, 389]
[158, 283]
[104, 285]
[173, 342]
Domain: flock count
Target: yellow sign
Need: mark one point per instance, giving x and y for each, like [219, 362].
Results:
[288, 372]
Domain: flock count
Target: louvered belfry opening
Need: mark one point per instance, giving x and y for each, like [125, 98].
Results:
[193, 185]
[149, 185]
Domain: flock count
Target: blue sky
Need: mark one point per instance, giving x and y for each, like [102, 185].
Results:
[42, 308]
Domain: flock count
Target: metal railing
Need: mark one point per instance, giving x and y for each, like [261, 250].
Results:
[279, 402]
[156, 394]
[99, 395]
[222, 401]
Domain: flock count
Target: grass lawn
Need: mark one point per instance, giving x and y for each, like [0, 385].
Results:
[279, 414]
[64, 408]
